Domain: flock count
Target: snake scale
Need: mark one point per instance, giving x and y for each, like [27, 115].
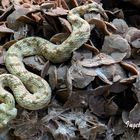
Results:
[29, 90]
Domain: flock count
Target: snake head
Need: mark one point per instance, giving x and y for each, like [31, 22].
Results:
[97, 8]
[6, 114]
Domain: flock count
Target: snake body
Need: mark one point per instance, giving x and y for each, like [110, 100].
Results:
[31, 91]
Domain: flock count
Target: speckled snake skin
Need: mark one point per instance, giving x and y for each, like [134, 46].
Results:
[31, 91]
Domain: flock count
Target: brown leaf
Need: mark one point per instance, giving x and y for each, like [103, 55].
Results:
[47, 5]
[121, 26]
[74, 3]
[132, 68]
[57, 12]
[117, 47]
[5, 30]
[133, 37]
[132, 34]
[2, 53]
[136, 88]
[117, 87]
[102, 76]
[52, 76]
[81, 95]
[102, 107]
[26, 19]
[81, 54]
[64, 4]
[37, 16]
[11, 19]
[91, 48]
[81, 77]
[63, 94]
[100, 24]
[66, 25]
[45, 69]
[59, 38]
[98, 60]
[8, 44]
[117, 13]
[33, 63]
[61, 76]
[134, 114]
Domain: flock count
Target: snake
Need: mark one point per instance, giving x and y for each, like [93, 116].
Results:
[27, 89]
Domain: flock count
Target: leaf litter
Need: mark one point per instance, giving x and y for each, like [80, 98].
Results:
[95, 93]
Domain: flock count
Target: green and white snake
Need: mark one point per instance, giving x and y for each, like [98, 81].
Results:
[31, 91]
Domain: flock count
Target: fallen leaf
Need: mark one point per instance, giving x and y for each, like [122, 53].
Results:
[97, 60]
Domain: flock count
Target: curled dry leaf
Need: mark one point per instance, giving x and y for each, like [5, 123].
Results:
[121, 26]
[136, 88]
[45, 69]
[8, 44]
[119, 73]
[110, 74]
[61, 76]
[5, 30]
[117, 87]
[110, 26]
[100, 24]
[132, 34]
[33, 63]
[129, 80]
[131, 67]
[133, 37]
[47, 5]
[109, 71]
[57, 12]
[74, 3]
[116, 13]
[102, 107]
[12, 18]
[117, 47]
[81, 77]
[59, 38]
[81, 95]
[52, 72]
[2, 53]
[4, 13]
[66, 25]
[64, 4]
[69, 81]
[63, 94]
[102, 76]
[37, 16]
[26, 19]
[81, 54]
[19, 27]
[116, 127]
[98, 60]
[134, 114]
[91, 47]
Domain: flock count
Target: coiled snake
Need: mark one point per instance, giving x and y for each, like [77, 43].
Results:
[38, 94]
